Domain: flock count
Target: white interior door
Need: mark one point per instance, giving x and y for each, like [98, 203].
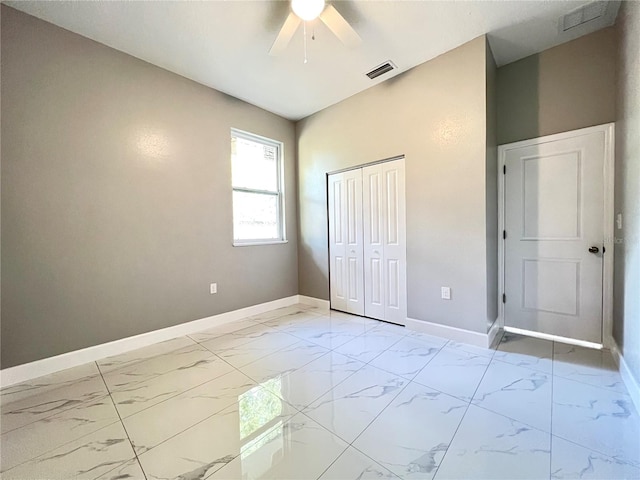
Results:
[554, 209]
[374, 229]
[384, 241]
[345, 241]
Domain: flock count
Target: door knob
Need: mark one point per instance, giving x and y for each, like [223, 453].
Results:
[376, 252]
[594, 249]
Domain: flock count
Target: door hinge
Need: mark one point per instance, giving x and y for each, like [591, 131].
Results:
[604, 250]
[504, 298]
[504, 169]
[504, 234]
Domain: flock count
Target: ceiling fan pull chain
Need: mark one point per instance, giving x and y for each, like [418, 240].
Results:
[304, 26]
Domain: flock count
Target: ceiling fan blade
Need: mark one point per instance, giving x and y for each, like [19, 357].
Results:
[340, 27]
[290, 26]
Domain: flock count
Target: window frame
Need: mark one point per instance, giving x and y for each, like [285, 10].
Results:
[280, 194]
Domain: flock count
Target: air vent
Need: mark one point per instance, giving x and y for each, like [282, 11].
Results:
[584, 14]
[381, 70]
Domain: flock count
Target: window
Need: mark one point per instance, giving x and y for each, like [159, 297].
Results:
[256, 165]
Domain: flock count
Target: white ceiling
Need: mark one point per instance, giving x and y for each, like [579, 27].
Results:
[224, 44]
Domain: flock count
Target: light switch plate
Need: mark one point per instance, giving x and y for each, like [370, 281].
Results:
[446, 293]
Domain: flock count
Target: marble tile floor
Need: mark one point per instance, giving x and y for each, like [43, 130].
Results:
[303, 393]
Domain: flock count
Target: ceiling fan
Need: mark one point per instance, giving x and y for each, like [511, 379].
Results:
[308, 10]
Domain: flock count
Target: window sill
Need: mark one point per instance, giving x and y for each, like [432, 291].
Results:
[262, 242]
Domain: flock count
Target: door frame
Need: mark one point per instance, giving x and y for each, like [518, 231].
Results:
[608, 223]
[346, 169]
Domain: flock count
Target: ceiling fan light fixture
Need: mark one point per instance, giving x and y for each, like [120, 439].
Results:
[307, 10]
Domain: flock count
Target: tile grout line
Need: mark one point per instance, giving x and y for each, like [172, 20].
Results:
[607, 455]
[202, 421]
[61, 445]
[602, 454]
[413, 380]
[216, 378]
[297, 412]
[322, 346]
[598, 452]
[563, 377]
[48, 417]
[409, 381]
[209, 416]
[538, 429]
[162, 375]
[323, 393]
[80, 402]
[144, 359]
[418, 372]
[322, 315]
[121, 423]
[222, 409]
[299, 340]
[502, 414]
[184, 391]
[599, 387]
[301, 412]
[528, 425]
[228, 406]
[289, 373]
[256, 359]
[369, 331]
[350, 444]
[464, 415]
[359, 451]
[573, 441]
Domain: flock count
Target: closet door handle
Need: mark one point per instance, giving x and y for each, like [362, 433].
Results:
[376, 252]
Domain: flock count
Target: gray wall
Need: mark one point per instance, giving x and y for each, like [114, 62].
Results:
[491, 190]
[626, 313]
[435, 114]
[116, 196]
[563, 88]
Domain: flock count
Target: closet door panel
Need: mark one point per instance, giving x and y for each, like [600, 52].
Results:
[337, 243]
[373, 224]
[354, 241]
[346, 265]
[367, 241]
[394, 241]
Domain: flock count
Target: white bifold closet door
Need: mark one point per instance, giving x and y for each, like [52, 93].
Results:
[368, 242]
[345, 241]
[384, 241]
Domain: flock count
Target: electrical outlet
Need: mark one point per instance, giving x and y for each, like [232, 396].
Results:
[213, 288]
[445, 293]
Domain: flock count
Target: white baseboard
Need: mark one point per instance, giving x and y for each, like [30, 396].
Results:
[452, 333]
[632, 384]
[28, 371]
[495, 334]
[314, 302]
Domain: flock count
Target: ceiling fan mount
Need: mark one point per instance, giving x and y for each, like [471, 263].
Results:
[308, 10]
